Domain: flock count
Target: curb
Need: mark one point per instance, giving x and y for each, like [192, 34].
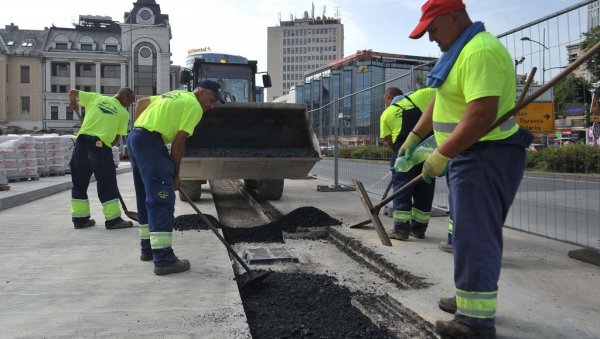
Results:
[23, 198]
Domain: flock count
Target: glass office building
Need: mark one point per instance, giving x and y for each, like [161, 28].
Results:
[358, 81]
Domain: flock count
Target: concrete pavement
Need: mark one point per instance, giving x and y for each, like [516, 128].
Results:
[57, 281]
[60, 282]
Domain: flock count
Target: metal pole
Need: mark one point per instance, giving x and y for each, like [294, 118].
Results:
[336, 126]
[336, 132]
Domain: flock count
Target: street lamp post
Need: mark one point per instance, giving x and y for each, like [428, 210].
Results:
[526, 38]
[517, 63]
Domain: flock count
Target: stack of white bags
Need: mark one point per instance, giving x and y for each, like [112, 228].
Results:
[19, 158]
[25, 156]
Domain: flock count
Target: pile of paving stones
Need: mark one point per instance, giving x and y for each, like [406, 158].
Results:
[299, 305]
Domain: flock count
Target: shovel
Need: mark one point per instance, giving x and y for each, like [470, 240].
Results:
[255, 278]
[130, 214]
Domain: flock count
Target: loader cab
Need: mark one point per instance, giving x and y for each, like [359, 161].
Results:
[237, 79]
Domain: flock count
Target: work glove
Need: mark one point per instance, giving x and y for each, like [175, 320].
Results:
[435, 165]
[409, 145]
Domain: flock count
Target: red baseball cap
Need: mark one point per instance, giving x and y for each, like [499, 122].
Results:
[432, 9]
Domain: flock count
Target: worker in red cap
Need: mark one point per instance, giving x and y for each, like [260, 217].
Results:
[475, 85]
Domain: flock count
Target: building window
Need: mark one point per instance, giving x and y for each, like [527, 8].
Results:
[86, 47]
[69, 113]
[84, 70]
[25, 103]
[110, 71]
[24, 74]
[61, 45]
[111, 48]
[60, 69]
[58, 89]
[53, 112]
[109, 89]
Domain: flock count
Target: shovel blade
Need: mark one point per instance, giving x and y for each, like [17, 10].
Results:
[132, 215]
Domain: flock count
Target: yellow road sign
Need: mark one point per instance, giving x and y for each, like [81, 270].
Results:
[537, 117]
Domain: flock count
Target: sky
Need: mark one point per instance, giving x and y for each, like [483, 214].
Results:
[240, 27]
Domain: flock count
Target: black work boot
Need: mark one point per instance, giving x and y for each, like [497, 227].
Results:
[89, 223]
[446, 247]
[400, 231]
[448, 305]
[457, 330]
[417, 229]
[146, 256]
[118, 223]
[179, 265]
[401, 235]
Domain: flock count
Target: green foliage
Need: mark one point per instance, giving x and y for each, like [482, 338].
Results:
[367, 153]
[591, 38]
[572, 89]
[574, 158]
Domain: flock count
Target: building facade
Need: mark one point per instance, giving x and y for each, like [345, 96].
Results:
[20, 74]
[301, 46]
[97, 55]
[358, 81]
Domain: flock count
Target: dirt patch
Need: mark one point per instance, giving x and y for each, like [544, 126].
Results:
[299, 305]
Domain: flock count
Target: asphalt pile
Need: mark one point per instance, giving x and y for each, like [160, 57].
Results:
[299, 305]
[189, 222]
[304, 217]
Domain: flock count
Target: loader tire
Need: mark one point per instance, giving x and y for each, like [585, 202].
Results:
[270, 189]
[250, 184]
[193, 188]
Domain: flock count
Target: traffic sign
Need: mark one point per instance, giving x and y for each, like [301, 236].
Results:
[546, 96]
[537, 117]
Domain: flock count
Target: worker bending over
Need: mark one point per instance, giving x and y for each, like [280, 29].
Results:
[106, 119]
[169, 118]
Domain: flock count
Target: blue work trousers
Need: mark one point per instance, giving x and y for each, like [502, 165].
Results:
[153, 171]
[483, 181]
[419, 196]
[88, 159]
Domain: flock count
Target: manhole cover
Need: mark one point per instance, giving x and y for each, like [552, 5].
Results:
[263, 255]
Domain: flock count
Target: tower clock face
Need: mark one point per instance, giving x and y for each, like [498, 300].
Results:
[145, 14]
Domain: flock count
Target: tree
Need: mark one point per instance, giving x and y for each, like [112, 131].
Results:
[571, 89]
[590, 39]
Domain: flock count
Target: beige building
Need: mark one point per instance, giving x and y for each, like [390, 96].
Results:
[300, 46]
[20, 76]
[38, 68]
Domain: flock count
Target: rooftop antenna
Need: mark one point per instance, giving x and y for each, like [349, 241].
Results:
[279, 17]
[324, 9]
[313, 11]
[337, 12]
